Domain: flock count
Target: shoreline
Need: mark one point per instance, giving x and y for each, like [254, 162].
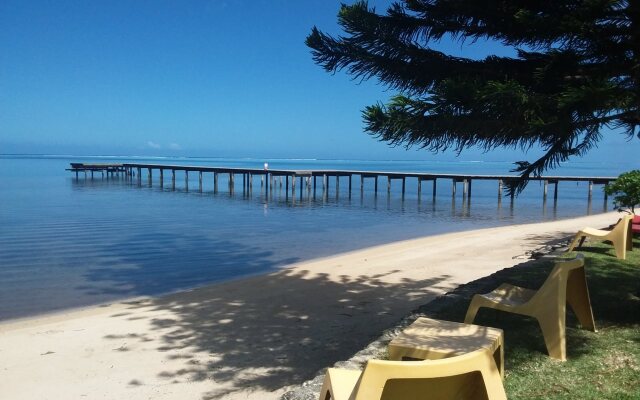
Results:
[253, 337]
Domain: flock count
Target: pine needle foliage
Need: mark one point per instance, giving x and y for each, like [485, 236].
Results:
[576, 71]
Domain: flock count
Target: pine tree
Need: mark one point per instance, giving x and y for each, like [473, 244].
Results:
[577, 70]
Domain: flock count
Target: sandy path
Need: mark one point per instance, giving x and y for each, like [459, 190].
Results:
[251, 338]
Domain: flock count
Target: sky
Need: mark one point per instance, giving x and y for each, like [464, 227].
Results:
[213, 78]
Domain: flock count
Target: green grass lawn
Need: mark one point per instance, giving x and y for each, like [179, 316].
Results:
[600, 365]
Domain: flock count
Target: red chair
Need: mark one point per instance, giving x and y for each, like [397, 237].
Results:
[635, 225]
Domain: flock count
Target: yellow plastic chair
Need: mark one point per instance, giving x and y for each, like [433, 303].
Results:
[619, 236]
[566, 283]
[472, 376]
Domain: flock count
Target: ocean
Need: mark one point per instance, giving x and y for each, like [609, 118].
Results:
[67, 243]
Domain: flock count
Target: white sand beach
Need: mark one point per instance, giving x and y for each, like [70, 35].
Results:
[252, 338]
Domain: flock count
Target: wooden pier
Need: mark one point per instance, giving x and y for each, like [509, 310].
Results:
[309, 178]
[108, 169]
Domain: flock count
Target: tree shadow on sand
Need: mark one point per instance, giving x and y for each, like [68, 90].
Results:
[292, 324]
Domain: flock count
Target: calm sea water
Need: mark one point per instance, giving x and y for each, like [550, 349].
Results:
[67, 243]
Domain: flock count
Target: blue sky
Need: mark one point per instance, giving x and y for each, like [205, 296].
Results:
[197, 78]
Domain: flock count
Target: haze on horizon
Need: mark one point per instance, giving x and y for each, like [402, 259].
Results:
[199, 78]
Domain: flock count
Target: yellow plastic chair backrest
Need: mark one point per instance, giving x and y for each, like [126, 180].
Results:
[621, 229]
[470, 376]
[555, 286]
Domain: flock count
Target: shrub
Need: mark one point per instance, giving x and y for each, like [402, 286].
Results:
[626, 190]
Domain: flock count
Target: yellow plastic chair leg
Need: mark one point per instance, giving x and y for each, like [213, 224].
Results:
[578, 298]
[582, 239]
[493, 382]
[339, 384]
[630, 235]
[620, 249]
[576, 239]
[474, 306]
[553, 332]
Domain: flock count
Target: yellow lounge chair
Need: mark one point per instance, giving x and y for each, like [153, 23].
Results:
[472, 376]
[619, 236]
[566, 283]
